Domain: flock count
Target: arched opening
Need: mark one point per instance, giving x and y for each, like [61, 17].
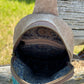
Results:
[40, 54]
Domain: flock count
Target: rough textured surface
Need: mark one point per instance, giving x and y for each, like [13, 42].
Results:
[29, 76]
[46, 6]
[5, 75]
[72, 11]
[78, 77]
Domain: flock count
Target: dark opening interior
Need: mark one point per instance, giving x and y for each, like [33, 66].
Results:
[43, 59]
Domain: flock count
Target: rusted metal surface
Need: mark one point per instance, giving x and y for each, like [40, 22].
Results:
[72, 12]
[46, 7]
[44, 15]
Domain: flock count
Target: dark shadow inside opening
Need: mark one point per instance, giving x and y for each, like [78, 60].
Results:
[43, 60]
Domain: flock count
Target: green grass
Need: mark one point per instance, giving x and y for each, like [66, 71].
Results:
[11, 11]
[77, 49]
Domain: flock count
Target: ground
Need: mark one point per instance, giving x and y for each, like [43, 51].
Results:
[78, 77]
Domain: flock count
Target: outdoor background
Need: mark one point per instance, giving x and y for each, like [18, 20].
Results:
[11, 11]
